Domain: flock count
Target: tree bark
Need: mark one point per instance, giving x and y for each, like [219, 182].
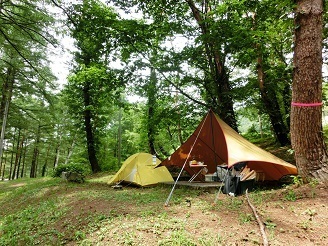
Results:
[70, 151]
[218, 86]
[12, 155]
[88, 129]
[34, 164]
[7, 89]
[20, 155]
[151, 104]
[23, 172]
[271, 104]
[13, 175]
[306, 113]
[3, 164]
[45, 164]
[58, 149]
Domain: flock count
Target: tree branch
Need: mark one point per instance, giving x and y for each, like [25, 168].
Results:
[259, 221]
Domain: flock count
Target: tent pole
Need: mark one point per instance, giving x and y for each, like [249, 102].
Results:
[213, 140]
[184, 164]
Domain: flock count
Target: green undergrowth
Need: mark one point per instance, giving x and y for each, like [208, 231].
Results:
[45, 211]
[50, 211]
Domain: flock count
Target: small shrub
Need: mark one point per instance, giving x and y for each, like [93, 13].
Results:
[291, 196]
[245, 218]
[269, 224]
[297, 180]
[71, 167]
[314, 183]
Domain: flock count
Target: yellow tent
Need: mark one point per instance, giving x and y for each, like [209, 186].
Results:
[140, 169]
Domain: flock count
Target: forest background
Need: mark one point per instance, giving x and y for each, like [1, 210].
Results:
[179, 58]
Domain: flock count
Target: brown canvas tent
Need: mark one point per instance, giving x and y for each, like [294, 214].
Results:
[216, 143]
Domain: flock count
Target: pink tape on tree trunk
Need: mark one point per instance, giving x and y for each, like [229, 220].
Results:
[307, 104]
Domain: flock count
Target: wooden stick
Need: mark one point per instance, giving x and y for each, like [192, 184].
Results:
[261, 225]
[247, 175]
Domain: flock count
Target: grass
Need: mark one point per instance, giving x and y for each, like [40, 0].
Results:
[39, 211]
[49, 211]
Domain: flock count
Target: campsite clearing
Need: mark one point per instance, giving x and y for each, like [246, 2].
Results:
[53, 212]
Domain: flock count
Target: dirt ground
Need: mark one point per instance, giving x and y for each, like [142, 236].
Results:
[295, 215]
[94, 213]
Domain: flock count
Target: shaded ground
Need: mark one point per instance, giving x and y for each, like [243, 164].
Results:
[58, 213]
[293, 216]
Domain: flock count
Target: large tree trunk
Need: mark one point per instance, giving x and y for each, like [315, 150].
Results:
[306, 113]
[88, 129]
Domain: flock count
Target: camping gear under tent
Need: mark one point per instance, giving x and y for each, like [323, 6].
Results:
[214, 143]
[140, 169]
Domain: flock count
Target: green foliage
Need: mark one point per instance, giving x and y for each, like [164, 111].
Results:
[291, 196]
[19, 228]
[80, 168]
[178, 238]
[269, 224]
[297, 180]
[246, 218]
[252, 132]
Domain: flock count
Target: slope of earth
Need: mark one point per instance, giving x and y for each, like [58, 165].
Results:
[52, 212]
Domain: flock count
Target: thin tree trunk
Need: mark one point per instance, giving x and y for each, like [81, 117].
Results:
[17, 155]
[88, 129]
[20, 156]
[4, 161]
[70, 151]
[44, 167]
[12, 156]
[1, 160]
[179, 118]
[23, 172]
[7, 88]
[3, 128]
[34, 164]
[306, 113]
[11, 164]
[151, 104]
[272, 106]
[119, 139]
[58, 151]
[261, 125]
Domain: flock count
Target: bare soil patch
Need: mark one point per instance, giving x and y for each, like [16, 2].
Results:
[292, 215]
[93, 213]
